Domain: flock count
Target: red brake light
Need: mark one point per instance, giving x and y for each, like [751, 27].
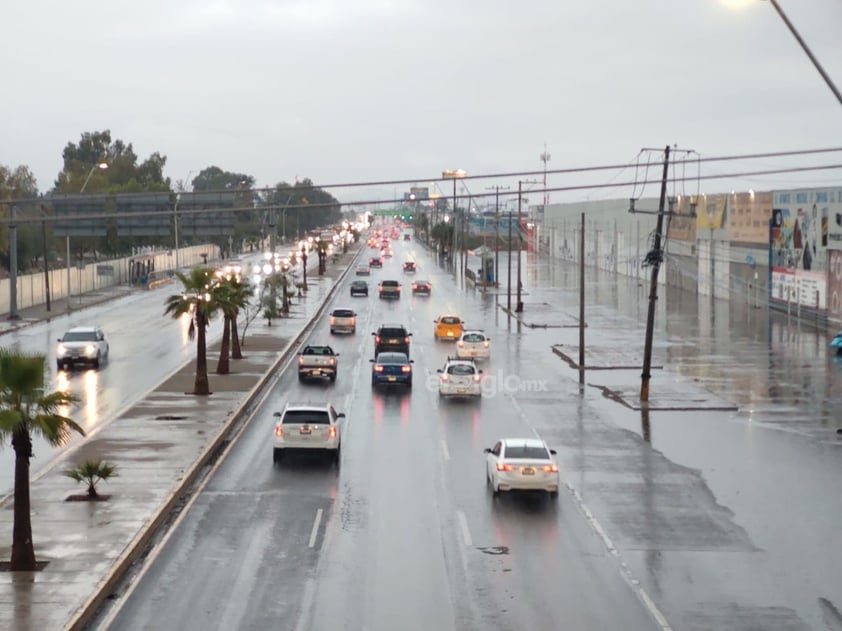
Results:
[460, 343]
[279, 431]
[504, 467]
[354, 321]
[332, 361]
[377, 339]
[332, 320]
[476, 378]
[406, 368]
[485, 343]
[444, 377]
[378, 368]
[550, 468]
[331, 432]
[300, 360]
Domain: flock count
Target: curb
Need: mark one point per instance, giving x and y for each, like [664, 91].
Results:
[137, 545]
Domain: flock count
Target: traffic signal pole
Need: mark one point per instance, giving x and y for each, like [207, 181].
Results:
[654, 257]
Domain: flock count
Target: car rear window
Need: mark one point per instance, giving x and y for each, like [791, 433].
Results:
[359, 283]
[392, 358]
[343, 313]
[392, 333]
[473, 337]
[389, 283]
[306, 417]
[461, 369]
[450, 320]
[317, 350]
[523, 451]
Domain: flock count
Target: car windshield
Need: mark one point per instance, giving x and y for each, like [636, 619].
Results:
[306, 417]
[392, 358]
[460, 369]
[450, 320]
[524, 451]
[343, 313]
[79, 336]
[473, 337]
[392, 333]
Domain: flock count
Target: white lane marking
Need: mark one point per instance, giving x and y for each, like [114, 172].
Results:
[306, 604]
[463, 523]
[315, 530]
[444, 450]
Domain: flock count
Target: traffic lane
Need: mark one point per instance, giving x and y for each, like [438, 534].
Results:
[389, 559]
[534, 562]
[144, 347]
[301, 485]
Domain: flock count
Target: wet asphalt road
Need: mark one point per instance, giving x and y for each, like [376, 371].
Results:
[725, 519]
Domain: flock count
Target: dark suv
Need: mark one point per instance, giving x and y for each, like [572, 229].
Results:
[391, 338]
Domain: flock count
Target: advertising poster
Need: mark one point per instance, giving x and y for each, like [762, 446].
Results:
[803, 228]
[834, 285]
[682, 223]
[808, 289]
[710, 213]
[748, 217]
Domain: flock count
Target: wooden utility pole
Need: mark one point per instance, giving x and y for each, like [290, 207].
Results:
[654, 257]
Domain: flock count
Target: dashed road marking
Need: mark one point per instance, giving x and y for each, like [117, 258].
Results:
[444, 450]
[315, 530]
[463, 523]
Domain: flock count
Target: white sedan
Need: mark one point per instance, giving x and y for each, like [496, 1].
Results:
[521, 464]
[460, 378]
[473, 345]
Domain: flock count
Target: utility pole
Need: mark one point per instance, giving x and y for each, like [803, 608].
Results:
[654, 258]
[13, 266]
[519, 304]
[274, 276]
[46, 264]
[509, 283]
[497, 190]
[582, 304]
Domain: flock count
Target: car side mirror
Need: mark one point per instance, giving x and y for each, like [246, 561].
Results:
[487, 450]
[553, 452]
[340, 415]
[58, 340]
[337, 355]
[277, 414]
[439, 370]
[411, 361]
[371, 360]
[479, 371]
[374, 333]
[409, 334]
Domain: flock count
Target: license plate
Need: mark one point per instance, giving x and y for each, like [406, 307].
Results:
[317, 372]
[392, 379]
[462, 391]
[305, 431]
[392, 342]
[528, 471]
[450, 334]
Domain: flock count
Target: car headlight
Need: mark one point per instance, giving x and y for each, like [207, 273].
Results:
[90, 349]
[61, 351]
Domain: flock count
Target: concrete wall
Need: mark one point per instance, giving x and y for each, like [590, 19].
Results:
[31, 288]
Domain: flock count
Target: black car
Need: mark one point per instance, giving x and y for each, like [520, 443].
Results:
[423, 287]
[391, 369]
[375, 261]
[409, 267]
[359, 288]
[391, 338]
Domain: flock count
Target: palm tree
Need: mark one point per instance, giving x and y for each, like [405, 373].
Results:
[197, 301]
[25, 409]
[230, 295]
[241, 290]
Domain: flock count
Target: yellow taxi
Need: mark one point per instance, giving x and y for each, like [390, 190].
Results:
[448, 327]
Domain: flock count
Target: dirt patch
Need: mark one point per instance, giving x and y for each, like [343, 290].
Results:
[84, 497]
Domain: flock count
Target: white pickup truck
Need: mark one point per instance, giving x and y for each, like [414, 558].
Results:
[343, 320]
[317, 361]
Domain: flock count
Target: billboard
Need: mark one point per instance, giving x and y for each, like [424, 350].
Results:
[682, 223]
[804, 228]
[748, 217]
[710, 213]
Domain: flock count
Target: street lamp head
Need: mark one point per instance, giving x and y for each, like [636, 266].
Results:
[102, 165]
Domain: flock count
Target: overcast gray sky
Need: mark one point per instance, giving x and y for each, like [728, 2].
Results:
[370, 90]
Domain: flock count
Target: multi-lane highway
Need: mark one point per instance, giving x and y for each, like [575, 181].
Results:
[702, 520]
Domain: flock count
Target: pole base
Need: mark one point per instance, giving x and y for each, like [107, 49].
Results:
[13, 317]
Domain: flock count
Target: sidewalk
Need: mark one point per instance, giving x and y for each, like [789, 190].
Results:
[161, 446]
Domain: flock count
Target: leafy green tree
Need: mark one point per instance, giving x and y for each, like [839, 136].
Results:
[19, 184]
[91, 472]
[197, 301]
[304, 205]
[27, 409]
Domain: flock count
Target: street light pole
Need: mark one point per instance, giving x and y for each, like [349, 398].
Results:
[99, 165]
[807, 50]
[519, 304]
[509, 283]
[46, 264]
[13, 266]
[175, 228]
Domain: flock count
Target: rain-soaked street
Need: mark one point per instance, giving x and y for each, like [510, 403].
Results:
[715, 518]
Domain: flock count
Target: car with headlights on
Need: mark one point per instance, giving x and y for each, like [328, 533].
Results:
[391, 369]
[522, 464]
[460, 378]
[85, 345]
[473, 345]
[359, 288]
[448, 327]
[375, 261]
[307, 427]
[409, 267]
